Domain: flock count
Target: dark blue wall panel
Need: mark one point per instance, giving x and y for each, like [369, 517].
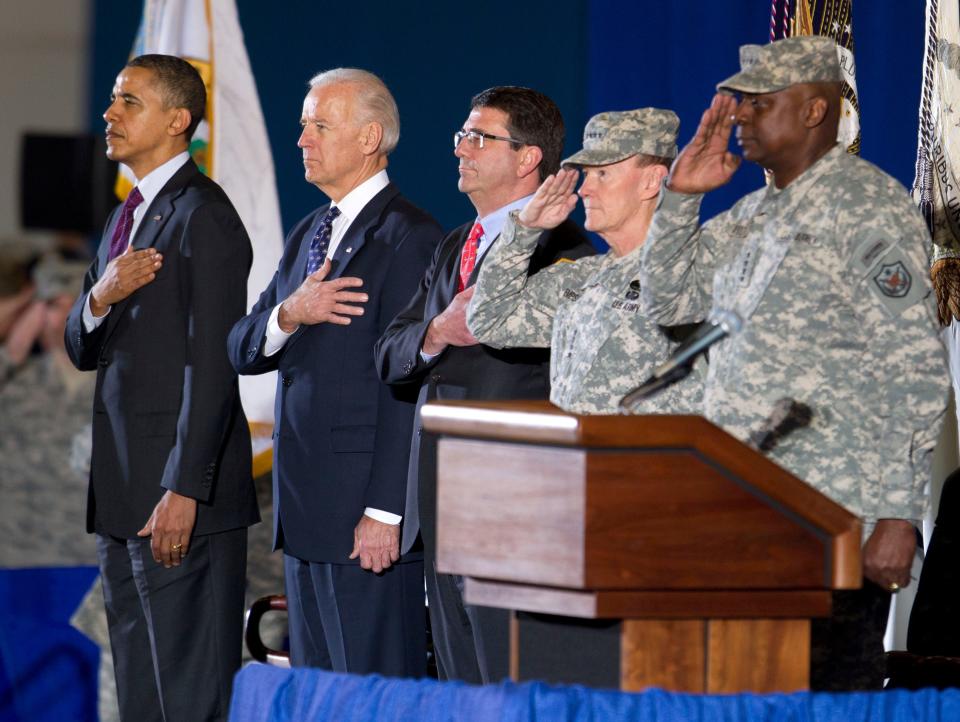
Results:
[433, 55]
[589, 55]
[672, 54]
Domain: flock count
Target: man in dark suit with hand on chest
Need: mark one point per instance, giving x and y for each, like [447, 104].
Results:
[342, 438]
[170, 470]
[511, 141]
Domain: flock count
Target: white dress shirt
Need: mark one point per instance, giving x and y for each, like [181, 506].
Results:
[149, 186]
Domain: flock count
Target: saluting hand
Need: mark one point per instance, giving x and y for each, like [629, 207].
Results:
[124, 275]
[705, 163]
[320, 301]
[553, 202]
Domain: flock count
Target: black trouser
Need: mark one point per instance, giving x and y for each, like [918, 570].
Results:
[348, 619]
[176, 633]
[847, 647]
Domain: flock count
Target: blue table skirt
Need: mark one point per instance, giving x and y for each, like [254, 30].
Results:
[48, 670]
[264, 693]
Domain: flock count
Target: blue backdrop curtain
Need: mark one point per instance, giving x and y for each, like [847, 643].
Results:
[589, 55]
[672, 54]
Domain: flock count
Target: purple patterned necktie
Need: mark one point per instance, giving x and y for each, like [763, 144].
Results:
[321, 241]
[121, 234]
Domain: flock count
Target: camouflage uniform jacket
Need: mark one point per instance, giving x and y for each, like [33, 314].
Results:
[830, 277]
[44, 425]
[587, 311]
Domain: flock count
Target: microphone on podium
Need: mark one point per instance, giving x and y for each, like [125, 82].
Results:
[679, 365]
[787, 416]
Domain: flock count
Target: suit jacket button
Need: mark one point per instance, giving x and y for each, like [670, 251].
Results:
[436, 378]
[287, 380]
[103, 362]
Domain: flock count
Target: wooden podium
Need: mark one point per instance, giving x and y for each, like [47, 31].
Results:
[637, 551]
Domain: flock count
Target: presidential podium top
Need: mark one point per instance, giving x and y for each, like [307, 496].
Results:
[530, 494]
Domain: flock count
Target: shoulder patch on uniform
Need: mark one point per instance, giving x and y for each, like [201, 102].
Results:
[893, 279]
[889, 274]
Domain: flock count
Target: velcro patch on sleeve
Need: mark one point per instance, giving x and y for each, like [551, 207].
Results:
[890, 275]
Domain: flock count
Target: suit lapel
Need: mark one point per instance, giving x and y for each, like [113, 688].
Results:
[351, 243]
[103, 253]
[448, 280]
[356, 236]
[152, 223]
[298, 271]
[475, 273]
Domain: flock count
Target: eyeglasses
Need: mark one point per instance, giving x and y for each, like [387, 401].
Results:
[476, 138]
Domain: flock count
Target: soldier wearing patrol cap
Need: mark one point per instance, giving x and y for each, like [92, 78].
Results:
[827, 268]
[587, 311]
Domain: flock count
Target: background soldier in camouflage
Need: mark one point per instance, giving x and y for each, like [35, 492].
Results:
[826, 266]
[588, 311]
[46, 417]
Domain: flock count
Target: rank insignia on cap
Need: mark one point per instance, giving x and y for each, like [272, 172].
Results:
[893, 280]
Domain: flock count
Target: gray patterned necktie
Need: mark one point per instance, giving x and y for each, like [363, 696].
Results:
[321, 241]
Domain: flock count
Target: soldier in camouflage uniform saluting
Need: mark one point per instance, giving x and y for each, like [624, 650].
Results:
[827, 267]
[588, 311]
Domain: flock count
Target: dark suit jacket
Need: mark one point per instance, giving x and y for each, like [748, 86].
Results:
[166, 409]
[469, 372]
[341, 438]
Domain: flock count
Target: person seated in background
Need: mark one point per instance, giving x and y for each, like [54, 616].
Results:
[827, 267]
[588, 312]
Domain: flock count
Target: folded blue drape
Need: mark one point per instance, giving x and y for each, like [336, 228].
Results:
[48, 670]
[262, 693]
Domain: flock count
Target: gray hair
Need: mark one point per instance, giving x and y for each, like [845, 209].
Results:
[374, 101]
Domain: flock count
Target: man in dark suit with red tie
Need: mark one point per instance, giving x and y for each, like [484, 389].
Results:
[511, 140]
[342, 438]
[170, 471]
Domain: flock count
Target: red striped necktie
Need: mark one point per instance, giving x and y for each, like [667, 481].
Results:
[468, 259]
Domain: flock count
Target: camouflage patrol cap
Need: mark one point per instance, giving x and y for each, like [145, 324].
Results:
[615, 136]
[780, 64]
